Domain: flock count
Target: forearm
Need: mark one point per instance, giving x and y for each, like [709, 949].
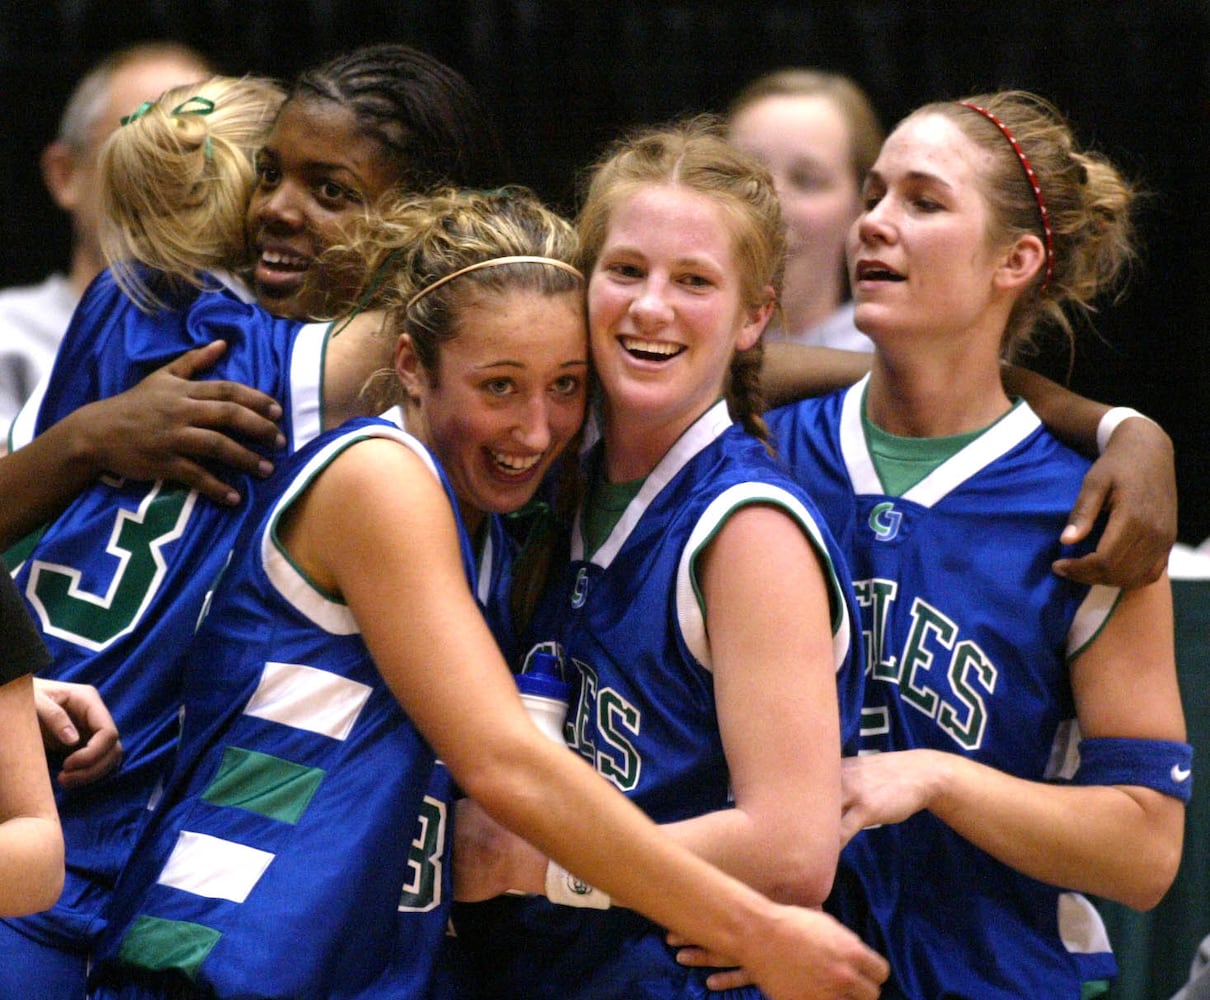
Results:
[31, 843]
[31, 864]
[40, 479]
[789, 861]
[791, 372]
[554, 800]
[1116, 842]
[1072, 418]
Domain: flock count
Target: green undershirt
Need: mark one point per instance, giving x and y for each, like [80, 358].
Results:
[604, 508]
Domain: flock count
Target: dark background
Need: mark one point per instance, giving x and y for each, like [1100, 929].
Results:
[564, 77]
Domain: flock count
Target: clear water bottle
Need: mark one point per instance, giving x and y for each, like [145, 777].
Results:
[545, 693]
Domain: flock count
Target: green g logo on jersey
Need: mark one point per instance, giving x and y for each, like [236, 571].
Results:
[884, 521]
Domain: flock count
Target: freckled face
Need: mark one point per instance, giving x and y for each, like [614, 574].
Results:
[316, 173]
[509, 396]
[665, 311]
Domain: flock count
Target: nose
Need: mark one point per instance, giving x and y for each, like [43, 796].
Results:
[875, 223]
[281, 206]
[533, 423]
[650, 307]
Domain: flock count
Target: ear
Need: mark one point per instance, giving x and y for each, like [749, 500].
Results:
[408, 367]
[757, 318]
[1021, 262]
[61, 175]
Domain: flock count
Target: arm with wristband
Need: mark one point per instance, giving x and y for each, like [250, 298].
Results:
[1116, 829]
[1133, 481]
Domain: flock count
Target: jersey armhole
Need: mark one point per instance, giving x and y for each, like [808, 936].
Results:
[690, 602]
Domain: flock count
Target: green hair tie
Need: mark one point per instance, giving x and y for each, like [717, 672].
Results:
[197, 106]
[194, 106]
[138, 112]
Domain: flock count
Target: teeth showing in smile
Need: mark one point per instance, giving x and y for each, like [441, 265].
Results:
[278, 259]
[651, 348]
[515, 463]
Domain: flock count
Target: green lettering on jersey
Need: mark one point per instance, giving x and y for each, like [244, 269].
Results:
[918, 657]
[969, 664]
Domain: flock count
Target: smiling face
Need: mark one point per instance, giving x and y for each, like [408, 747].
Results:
[507, 397]
[665, 311]
[920, 255]
[317, 173]
[805, 142]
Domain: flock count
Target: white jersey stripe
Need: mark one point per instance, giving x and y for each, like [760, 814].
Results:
[303, 697]
[306, 358]
[212, 867]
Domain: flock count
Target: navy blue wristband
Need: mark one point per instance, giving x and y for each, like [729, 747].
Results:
[1164, 765]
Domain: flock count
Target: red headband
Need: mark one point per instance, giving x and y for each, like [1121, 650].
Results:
[1033, 183]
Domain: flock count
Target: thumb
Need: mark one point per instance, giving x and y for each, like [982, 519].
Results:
[54, 719]
[1085, 510]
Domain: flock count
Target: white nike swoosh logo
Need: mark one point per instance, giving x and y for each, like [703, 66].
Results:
[1179, 773]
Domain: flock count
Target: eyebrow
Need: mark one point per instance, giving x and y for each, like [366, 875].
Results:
[911, 175]
[510, 363]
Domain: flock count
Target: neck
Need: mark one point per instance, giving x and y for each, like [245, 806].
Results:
[415, 424]
[811, 295]
[630, 453]
[634, 448]
[86, 264]
[938, 399]
[472, 519]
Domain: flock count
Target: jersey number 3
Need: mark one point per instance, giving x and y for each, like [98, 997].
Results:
[94, 620]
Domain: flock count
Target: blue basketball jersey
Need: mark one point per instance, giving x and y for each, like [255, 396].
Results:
[285, 859]
[118, 581]
[968, 636]
[633, 638]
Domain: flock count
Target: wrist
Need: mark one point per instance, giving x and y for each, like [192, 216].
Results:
[77, 444]
[941, 776]
[1110, 422]
[564, 888]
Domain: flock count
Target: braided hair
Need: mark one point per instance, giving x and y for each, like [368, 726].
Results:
[426, 116]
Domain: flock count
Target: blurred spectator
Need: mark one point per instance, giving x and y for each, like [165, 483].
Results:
[34, 317]
[818, 134]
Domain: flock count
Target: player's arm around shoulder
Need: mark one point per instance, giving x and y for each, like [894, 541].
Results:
[769, 626]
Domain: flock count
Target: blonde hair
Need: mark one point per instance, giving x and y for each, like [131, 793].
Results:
[1088, 205]
[414, 244]
[175, 184]
[693, 154]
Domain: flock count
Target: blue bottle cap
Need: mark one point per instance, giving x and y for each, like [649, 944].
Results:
[542, 677]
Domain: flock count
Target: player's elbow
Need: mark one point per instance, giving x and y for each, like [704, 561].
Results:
[1155, 878]
[40, 881]
[802, 877]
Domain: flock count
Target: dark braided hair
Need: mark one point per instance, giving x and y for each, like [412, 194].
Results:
[425, 115]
